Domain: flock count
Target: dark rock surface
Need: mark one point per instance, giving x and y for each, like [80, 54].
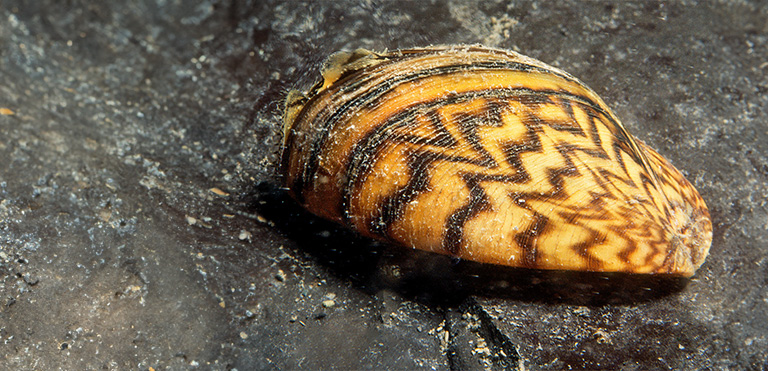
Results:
[141, 224]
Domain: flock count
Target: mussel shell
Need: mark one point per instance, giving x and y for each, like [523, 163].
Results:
[491, 156]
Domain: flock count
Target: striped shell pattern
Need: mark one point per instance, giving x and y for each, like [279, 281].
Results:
[490, 156]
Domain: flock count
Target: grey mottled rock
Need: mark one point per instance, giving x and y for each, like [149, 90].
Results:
[141, 224]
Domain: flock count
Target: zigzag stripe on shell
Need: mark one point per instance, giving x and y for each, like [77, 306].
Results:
[491, 156]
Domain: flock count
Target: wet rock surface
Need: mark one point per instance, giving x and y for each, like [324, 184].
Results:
[142, 225]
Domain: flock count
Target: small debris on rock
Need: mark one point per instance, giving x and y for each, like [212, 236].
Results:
[244, 235]
[218, 191]
[30, 279]
[280, 276]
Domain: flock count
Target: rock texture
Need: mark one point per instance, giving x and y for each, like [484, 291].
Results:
[142, 225]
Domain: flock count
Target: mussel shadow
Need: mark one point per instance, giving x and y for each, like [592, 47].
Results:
[433, 278]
